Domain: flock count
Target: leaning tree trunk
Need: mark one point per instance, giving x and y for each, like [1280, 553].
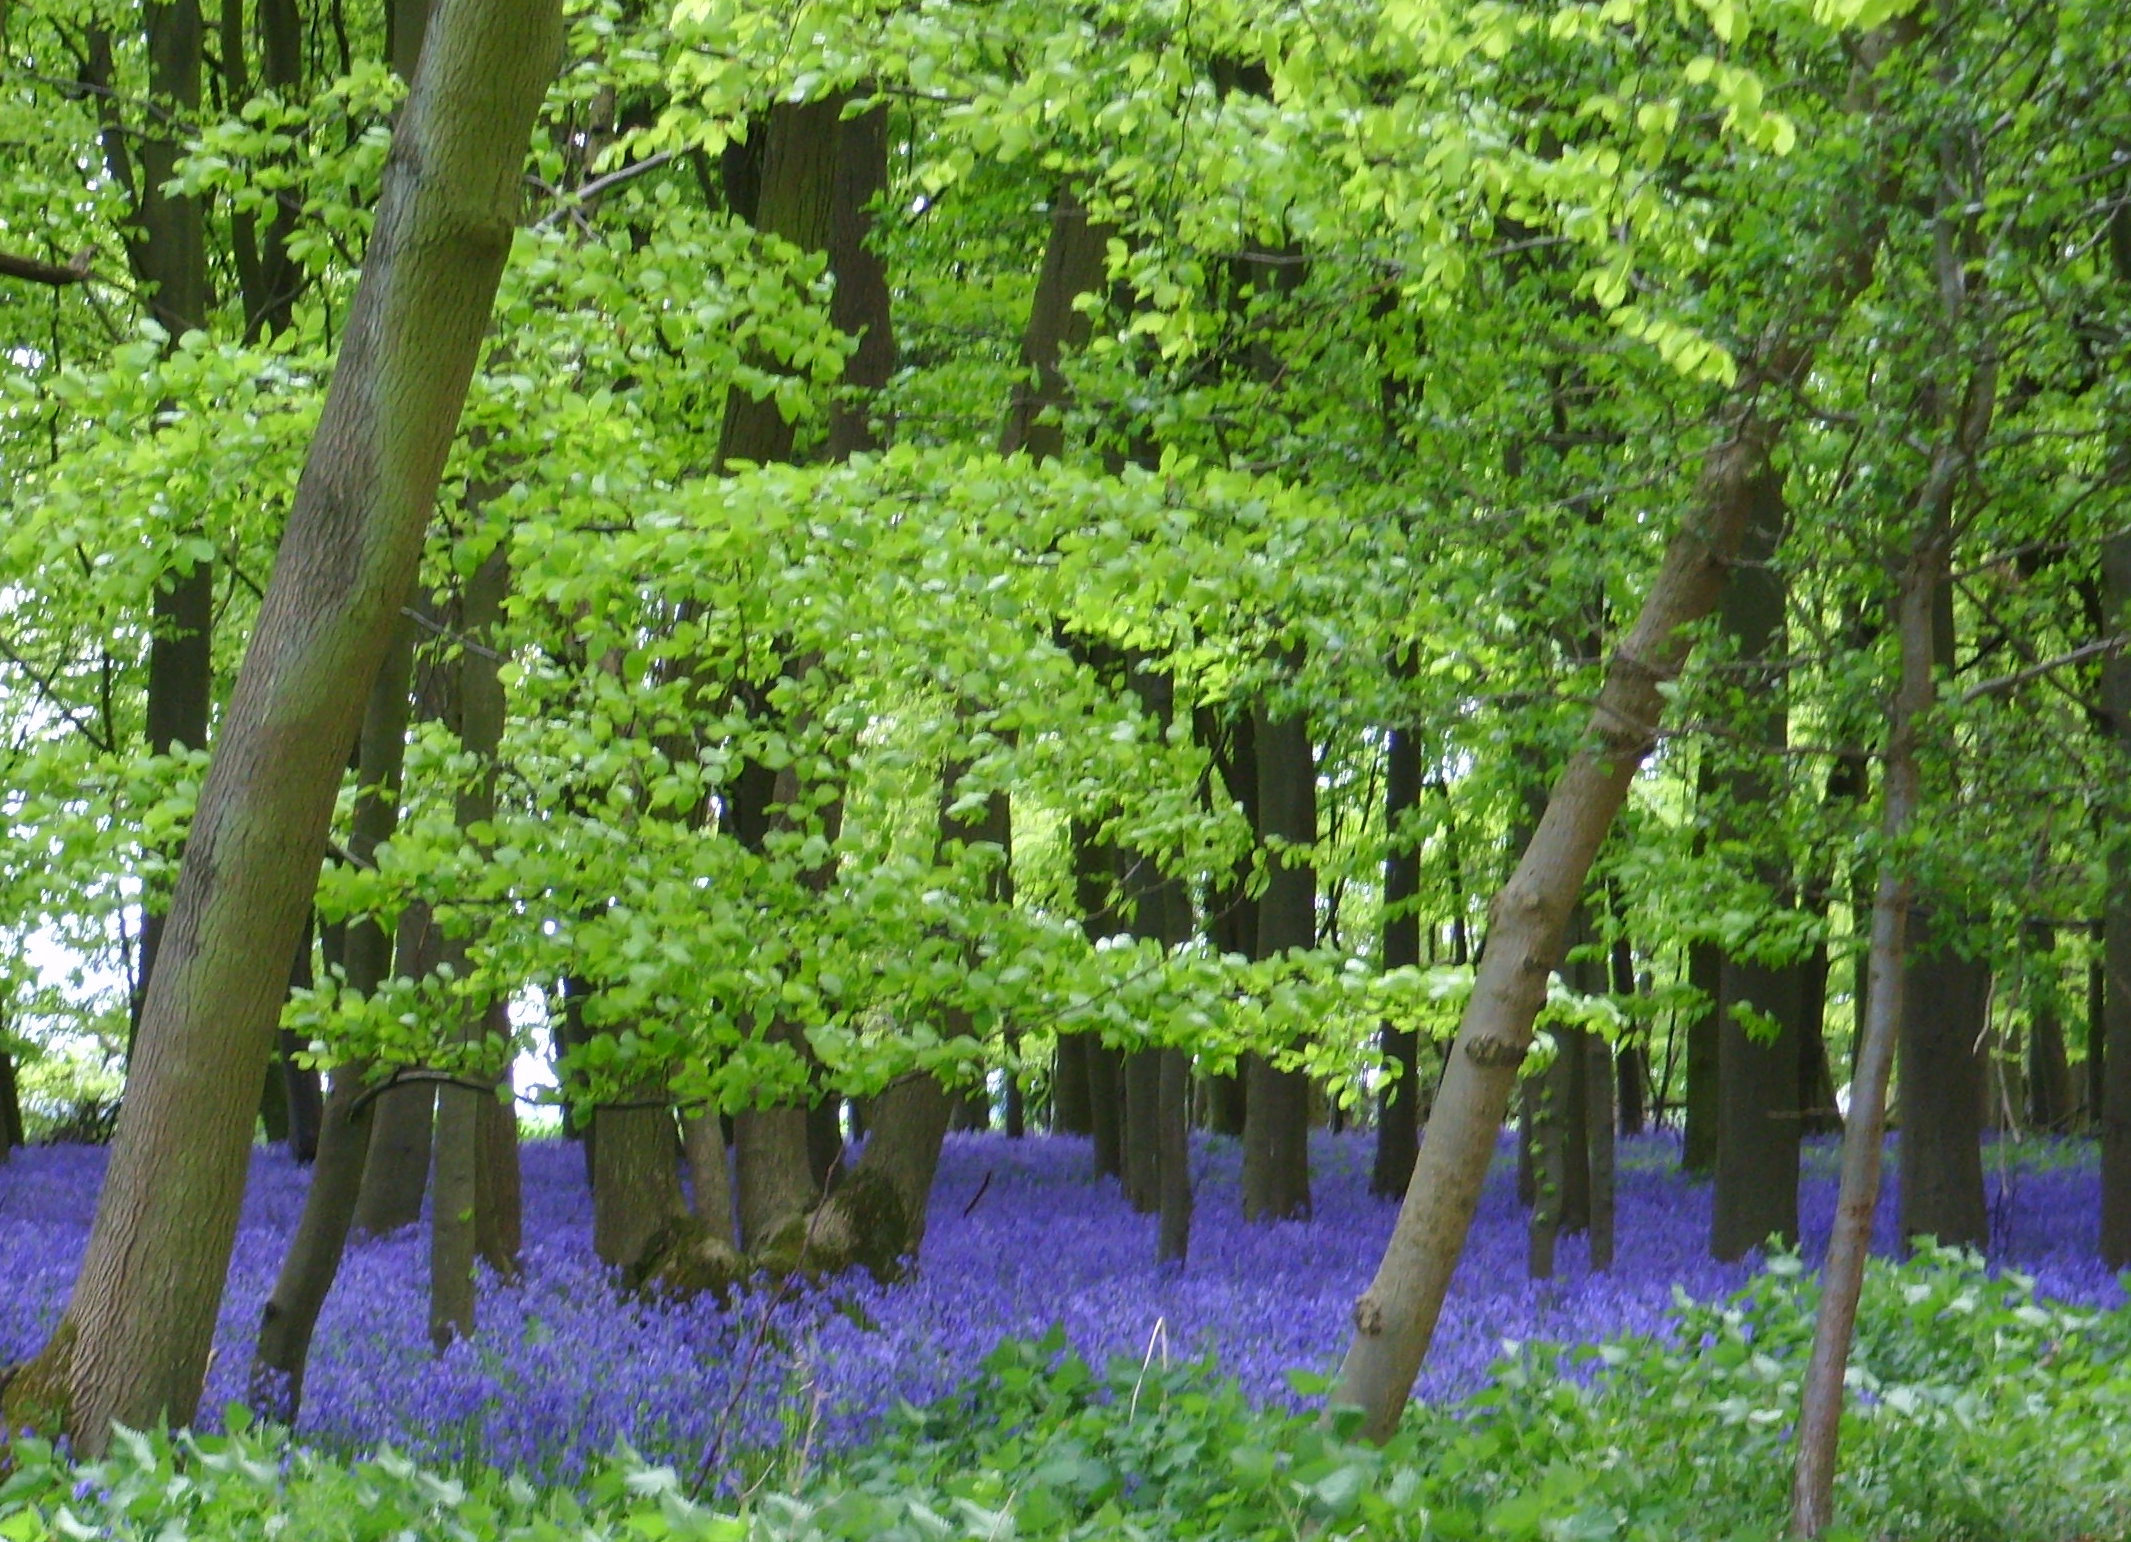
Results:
[1395, 1317]
[1842, 1276]
[312, 1262]
[133, 1343]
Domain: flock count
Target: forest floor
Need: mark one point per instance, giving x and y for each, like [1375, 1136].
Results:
[1023, 1240]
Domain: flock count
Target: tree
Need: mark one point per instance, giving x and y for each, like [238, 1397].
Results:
[133, 1343]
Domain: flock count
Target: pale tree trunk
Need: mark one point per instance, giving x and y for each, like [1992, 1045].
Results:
[1842, 1275]
[1396, 1316]
[1921, 626]
[133, 1342]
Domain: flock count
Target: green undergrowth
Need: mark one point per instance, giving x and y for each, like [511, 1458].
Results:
[1979, 1413]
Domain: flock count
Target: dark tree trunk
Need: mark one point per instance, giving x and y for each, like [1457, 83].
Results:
[1758, 1124]
[170, 260]
[1143, 1130]
[1276, 1152]
[2110, 1075]
[499, 1185]
[1698, 1150]
[11, 1134]
[1398, 1121]
[1106, 1093]
[1174, 1241]
[1946, 1008]
[2049, 1072]
[1073, 265]
[402, 1122]
[1071, 1111]
[133, 1343]
[861, 305]
[1231, 911]
[2097, 1076]
[1631, 1060]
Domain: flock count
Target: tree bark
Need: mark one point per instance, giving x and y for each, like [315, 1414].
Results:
[1174, 1240]
[1073, 265]
[395, 1172]
[1398, 1120]
[2049, 1071]
[170, 260]
[11, 1134]
[312, 1262]
[1276, 1121]
[133, 1342]
[2112, 1098]
[861, 306]
[1842, 1276]
[1396, 1316]
[1699, 1101]
[458, 1234]
[1759, 1102]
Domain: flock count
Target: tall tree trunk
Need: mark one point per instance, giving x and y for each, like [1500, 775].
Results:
[1174, 1239]
[1842, 1276]
[456, 1229]
[11, 1134]
[1071, 1111]
[1396, 1316]
[1759, 1101]
[1631, 1059]
[170, 260]
[1276, 1128]
[1231, 910]
[312, 1262]
[1946, 1007]
[133, 1342]
[1699, 1101]
[2049, 1072]
[1073, 265]
[861, 305]
[2112, 1087]
[395, 1172]
[1398, 1120]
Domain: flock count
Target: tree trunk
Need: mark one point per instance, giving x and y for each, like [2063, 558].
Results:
[1073, 265]
[395, 1171]
[709, 1174]
[1276, 1152]
[861, 305]
[170, 260]
[134, 1340]
[499, 1184]
[2112, 1094]
[1842, 1276]
[1072, 1112]
[312, 1262]
[1759, 1101]
[2049, 1072]
[11, 1134]
[1398, 1120]
[301, 1094]
[1631, 1058]
[1699, 1102]
[1143, 1130]
[772, 1178]
[1396, 1316]
[1174, 1240]
[457, 1233]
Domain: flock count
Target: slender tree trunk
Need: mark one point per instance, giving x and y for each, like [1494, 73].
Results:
[709, 1173]
[1143, 1130]
[1396, 1316]
[499, 1184]
[2112, 1086]
[395, 1172]
[313, 1259]
[133, 1342]
[1842, 1276]
[11, 1134]
[1398, 1121]
[1276, 1152]
[1073, 265]
[1174, 1241]
[456, 1232]
[2049, 1072]
[1699, 1102]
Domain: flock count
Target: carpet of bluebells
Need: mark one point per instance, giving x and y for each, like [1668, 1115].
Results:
[562, 1368]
